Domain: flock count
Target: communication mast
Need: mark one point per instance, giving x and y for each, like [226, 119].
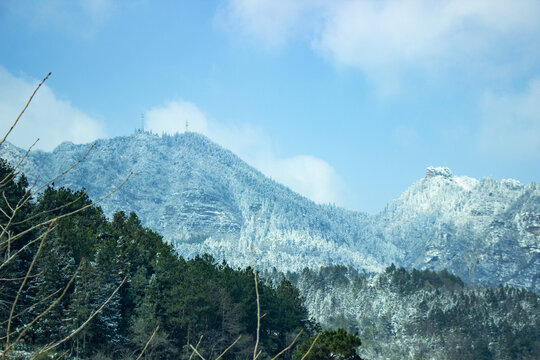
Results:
[187, 125]
[142, 122]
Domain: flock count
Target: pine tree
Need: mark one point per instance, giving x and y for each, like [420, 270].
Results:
[56, 267]
[331, 345]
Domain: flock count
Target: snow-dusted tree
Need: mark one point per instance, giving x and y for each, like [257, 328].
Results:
[36, 271]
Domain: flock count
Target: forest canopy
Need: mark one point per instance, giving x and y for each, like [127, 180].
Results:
[197, 301]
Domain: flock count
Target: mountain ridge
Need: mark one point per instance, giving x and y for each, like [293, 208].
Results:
[203, 198]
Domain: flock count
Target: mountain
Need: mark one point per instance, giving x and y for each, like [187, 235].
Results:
[486, 231]
[203, 198]
[411, 314]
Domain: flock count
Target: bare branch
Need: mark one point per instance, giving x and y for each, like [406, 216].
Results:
[24, 109]
[258, 305]
[196, 347]
[290, 345]
[21, 278]
[62, 354]
[29, 194]
[27, 327]
[229, 348]
[32, 306]
[13, 173]
[6, 261]
[45, 212]
[148, 342]
[311, 347]
[73, 333]
[22, 233]
[7, 202]
[196, 352]
[24, 283]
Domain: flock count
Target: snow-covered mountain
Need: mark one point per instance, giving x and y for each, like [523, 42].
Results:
[486, 231]
[203, 198]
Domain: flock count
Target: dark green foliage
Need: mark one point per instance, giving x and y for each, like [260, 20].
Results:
[408, 282]
[331, 345]
[187, 299]
[15, 258]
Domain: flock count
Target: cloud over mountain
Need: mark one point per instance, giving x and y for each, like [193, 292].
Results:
[306, 174]
[511, 123]
[49, 118]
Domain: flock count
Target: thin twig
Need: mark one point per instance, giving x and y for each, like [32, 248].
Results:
[31, 306]
[22, 233]
[24, 283]
[73, 333]
[13, 172]
[28, 195]
[311, 347]
[23, 110]
[13, 256]
[10, 176]
[196, 347]
[288, 347]
[148, 343]
[21, 278]
[62, 355]
[230, 346]
[21, 334]
[255, 355]
[7, 202]
[45, 212]
[196, 352]
[64, 172]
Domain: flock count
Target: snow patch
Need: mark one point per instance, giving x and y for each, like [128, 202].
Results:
[467, 183]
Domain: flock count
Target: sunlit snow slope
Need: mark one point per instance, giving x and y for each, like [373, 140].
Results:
[203, 198]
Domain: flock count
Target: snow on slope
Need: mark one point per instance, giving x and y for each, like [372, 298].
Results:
[203, 198]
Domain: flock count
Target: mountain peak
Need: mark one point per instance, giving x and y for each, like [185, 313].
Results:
[204, 199]
[442, 171]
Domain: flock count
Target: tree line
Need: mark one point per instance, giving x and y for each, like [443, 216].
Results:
[143, 284]
[422, 314]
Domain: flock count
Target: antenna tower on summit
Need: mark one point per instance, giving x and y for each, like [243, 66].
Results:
[142, 122]
[187, 125]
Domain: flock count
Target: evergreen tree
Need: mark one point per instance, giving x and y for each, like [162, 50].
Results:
[331, 345]
[55, 266]
[14, 258]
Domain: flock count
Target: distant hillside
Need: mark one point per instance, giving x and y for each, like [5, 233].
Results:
[415, 314]
[484, 230]
[203, 198]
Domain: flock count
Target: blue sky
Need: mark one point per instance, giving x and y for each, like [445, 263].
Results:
[345, 101]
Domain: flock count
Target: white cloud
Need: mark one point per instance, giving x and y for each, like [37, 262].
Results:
[511, 123]
[80, 17]
[369, 34]
[173, 117]
[305, 174]
[381, 34]
[271, 23]
[48, 118]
